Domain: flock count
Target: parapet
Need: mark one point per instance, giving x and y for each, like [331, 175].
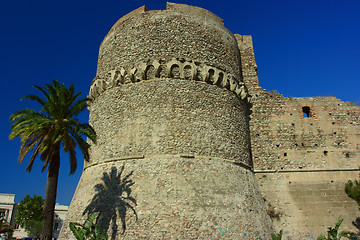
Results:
[244, 41]
[183, 8]
[137, 11]
[174, 7]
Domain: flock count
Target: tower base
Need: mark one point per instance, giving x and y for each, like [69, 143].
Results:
[171, 197]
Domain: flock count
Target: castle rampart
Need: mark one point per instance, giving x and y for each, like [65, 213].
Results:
[304, 150]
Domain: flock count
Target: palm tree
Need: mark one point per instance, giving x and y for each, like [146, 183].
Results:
[45, 132]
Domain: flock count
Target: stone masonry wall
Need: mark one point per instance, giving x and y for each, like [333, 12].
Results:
[173, 157]
[171, 110]
[164, 35]
[176, 198]
[304, 150]
[173, 117]
[328, 138]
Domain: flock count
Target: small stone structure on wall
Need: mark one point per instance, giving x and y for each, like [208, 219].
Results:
[173, 160]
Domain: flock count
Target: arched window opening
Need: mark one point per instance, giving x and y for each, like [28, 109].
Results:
[175, 71]
[306, 112]
[211, 73]
[187, 72]
[150, 72]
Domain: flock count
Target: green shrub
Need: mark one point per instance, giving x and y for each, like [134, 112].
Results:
[88, 230]
[333, 233]
[352, 189]
[277, 236]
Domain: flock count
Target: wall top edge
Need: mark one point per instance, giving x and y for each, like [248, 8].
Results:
[187, 9]
[7, 194]
[244, 41]
[181, 8]
[170, 7]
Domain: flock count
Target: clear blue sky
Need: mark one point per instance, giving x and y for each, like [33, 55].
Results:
[302, 48]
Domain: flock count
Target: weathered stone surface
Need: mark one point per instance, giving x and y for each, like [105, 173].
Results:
[302, 163]
[178, 198]
[170, 116]
[173, 158]
[309, 202]
[196, 35]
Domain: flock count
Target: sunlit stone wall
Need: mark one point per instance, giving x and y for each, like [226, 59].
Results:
[173, 156]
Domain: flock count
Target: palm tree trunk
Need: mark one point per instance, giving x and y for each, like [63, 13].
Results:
[50, 196]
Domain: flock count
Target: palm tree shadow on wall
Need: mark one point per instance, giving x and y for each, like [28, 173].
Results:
[112, 200]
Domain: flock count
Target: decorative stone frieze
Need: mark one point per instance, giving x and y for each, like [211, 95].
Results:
[175, 69]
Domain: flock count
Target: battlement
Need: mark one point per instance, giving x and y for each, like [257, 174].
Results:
[181, 8]
[137, 11]
[170, 7]
[187, 9]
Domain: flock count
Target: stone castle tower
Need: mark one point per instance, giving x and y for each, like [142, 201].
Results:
[173, 157]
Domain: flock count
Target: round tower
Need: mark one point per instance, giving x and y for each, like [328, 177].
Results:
[173, 157]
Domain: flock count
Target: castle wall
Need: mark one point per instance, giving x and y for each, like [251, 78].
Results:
[173, 157]
[308, 201]
[170, 116]
[305, 150]
[198, 36]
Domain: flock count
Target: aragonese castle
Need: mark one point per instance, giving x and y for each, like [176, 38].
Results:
[191, 147]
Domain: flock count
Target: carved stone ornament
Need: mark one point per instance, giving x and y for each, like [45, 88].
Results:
[177, 69]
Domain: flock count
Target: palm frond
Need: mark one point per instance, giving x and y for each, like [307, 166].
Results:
[43, 91]
[69, 147]
[35, 98]
[33, 156]
[82, 144]
[78, 106]
[55, 124]
[28, 145]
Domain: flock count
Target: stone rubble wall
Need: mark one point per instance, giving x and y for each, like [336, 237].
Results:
[173, 157]
[179, 198]
[302, 163]
[164, 35]
[308, 201]
[170, 116]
